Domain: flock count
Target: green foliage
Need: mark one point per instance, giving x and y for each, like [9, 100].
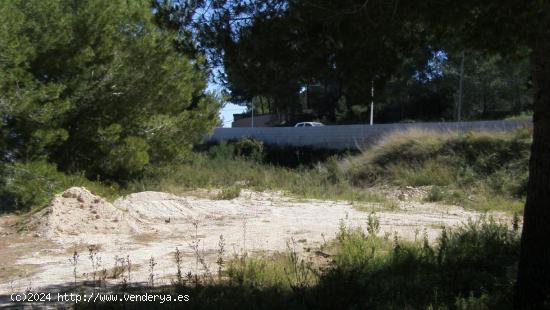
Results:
[355, 249]
[127, 158]
[246, 148]
[250, 148]
[493, 87]
[282, 59]
[285, 271]
[430, 172]
[473, 269]
[473, 303]
[221, 151]
[96, 86]
[521, 116]
[33, 184]
[229, 193]
[437, 194]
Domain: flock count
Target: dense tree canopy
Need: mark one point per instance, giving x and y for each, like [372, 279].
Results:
[97, 86]
[331, 52]
[493, 88]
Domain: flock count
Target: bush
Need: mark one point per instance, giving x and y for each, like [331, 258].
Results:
[250, 148]
[438, 193]
[247, 148]
[222, 150]
[33, 184]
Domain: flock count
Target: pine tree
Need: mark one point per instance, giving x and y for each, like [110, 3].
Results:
[97, 86]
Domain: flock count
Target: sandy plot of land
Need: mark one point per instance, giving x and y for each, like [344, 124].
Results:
[153, 224]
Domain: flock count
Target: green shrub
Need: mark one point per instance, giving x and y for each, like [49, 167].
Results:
[250, 148]
[33, 184]
[473, 303]
[435, 194]
[247, 148]
[222, 150]
[443, 194]
[522, 116]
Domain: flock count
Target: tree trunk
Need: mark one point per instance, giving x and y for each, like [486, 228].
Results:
[533, 282]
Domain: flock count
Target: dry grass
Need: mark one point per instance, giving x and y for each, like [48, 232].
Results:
[481, 170]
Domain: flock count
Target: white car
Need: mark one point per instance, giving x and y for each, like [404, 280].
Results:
[309, 124]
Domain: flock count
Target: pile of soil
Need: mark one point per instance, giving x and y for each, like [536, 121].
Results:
[78, 212]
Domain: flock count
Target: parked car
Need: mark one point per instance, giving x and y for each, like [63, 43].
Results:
[308, 124]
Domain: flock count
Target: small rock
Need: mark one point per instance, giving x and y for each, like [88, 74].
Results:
[97, 216]
[80, 199]
[97, 200]
[94, 212]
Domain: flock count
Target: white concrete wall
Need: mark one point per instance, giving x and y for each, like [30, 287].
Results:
[350, 136]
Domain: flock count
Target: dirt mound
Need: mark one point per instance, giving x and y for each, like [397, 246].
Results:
[79, 212]
[158, 207]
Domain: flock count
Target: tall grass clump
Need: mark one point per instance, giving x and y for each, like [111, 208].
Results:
[285, 270]
[229, 193]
